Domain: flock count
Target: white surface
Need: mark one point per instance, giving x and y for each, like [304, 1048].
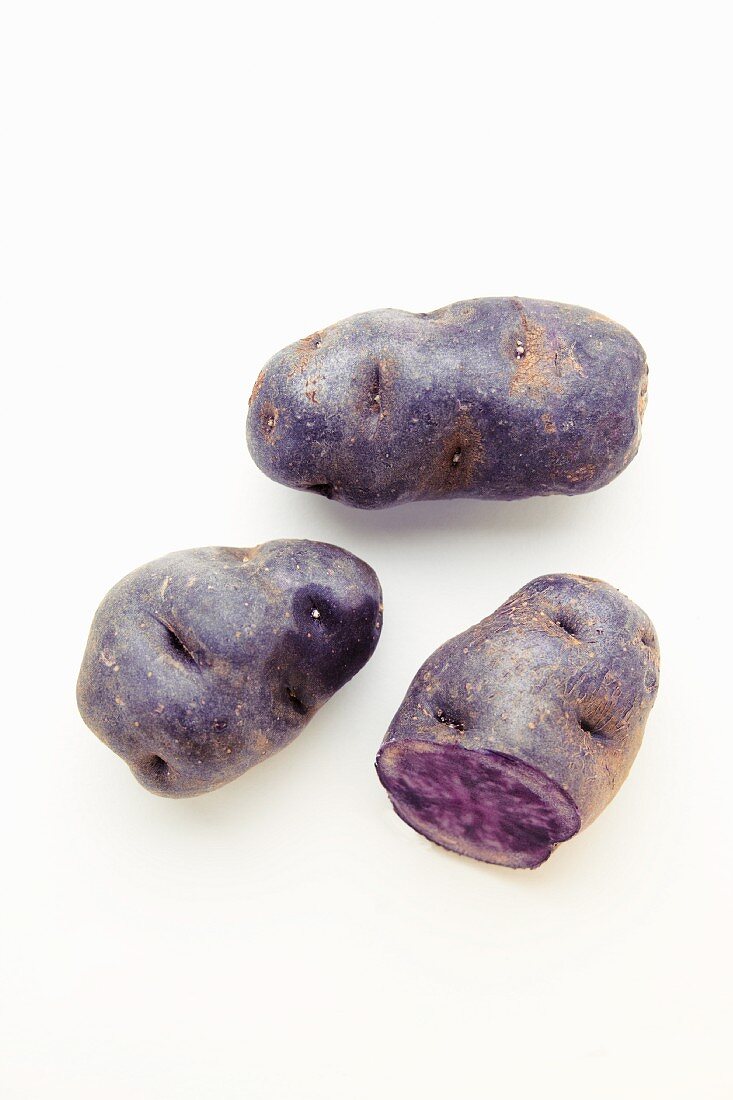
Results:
[187, 188]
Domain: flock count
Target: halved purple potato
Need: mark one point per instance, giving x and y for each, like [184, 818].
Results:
[516, 734]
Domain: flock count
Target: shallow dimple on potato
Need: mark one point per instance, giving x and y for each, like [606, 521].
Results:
[497, 398]
[515, 734]
[205, 662]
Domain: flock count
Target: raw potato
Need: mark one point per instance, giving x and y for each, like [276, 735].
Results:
[498, 398]
[517, 733]
[205, 662]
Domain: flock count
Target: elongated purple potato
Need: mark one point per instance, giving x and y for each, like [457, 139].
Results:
[515, 735]
[205, 662]
[497, 398]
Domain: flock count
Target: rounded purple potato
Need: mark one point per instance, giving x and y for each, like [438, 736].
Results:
[515, 735]
[497, 398]
[203, 663]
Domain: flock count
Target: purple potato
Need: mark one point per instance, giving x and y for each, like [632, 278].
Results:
[203, 663]
[499, 398]
[515, 734]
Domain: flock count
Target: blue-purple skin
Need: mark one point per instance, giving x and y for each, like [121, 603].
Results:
[203, 663]
[499, 398]
[515, 734]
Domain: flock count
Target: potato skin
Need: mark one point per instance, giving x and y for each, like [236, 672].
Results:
[561, 679]
[203, 663]
[499, 398]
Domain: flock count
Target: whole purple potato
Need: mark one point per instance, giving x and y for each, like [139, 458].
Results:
[515, 735]
[203, 663]
[498, 398]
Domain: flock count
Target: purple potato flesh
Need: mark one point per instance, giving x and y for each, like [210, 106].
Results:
[515, 734]
[203, 663]
[498, 398]
[482, 804]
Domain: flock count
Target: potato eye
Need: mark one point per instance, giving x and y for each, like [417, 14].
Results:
[322, 488]
[592, 730]
[451, 723]
[295, 701]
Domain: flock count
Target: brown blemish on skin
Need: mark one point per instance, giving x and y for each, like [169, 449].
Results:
[448, 735]
[583, 473]
[415, 746]
[643, 393]
[269, 416]
[549, 424]
[461, 451]
[542, 359]
[257, 386]
[305, 350]
[261, 744]
[311, 387]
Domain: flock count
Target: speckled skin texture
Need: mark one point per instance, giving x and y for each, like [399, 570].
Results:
[517, 733]
[499, 398]
[207, 661]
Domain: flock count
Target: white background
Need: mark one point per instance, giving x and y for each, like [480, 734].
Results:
[186, 188]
